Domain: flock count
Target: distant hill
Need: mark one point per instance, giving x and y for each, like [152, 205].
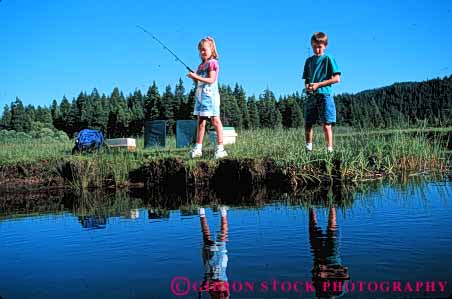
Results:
[400, 104]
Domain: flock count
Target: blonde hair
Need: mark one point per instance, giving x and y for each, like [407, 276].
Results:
[211, 42]
[319, 38]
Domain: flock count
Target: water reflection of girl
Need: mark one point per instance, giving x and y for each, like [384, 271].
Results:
[215, 258]
[327, 266]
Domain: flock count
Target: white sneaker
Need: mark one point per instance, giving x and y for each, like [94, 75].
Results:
[195, 153]
[220, 153]
[308, 148]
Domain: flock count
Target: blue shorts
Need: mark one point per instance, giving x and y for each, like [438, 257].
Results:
[319, 108]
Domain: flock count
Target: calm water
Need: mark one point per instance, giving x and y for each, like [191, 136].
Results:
[378, 242]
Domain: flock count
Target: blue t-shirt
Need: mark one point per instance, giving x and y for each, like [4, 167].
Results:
[320, 68]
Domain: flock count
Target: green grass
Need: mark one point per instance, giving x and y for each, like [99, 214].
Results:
[13, 152]
[363, 155]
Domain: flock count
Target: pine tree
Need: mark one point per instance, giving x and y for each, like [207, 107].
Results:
[55, 110]
[30, 111]
[118, 117]
[278, 120]
[72, 121]
[20, 120]
[181, 111]
[99, 119]
[230, 111]
[5, 122]
[285, 110]
[240, 96]
[296, 115]
[43, 116]
[152, 103]
[236, 115]
[167, 110]
[270, 117]
[189, 107]
[61, 121]
[135, 104]
[82, 112]
[254, 113]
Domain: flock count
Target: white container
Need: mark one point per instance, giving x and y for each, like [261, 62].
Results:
[229, 135]
[129, 143]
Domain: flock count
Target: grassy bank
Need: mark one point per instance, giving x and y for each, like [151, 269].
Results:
[358, 156]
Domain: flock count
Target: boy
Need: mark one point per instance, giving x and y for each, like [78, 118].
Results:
[320, 72]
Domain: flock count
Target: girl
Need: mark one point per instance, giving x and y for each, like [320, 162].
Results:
[207, 103]
[215, 257]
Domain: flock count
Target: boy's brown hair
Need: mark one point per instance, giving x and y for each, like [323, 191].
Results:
[319, 38]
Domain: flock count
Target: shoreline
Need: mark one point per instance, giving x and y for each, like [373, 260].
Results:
[168, 174]
[259, 158]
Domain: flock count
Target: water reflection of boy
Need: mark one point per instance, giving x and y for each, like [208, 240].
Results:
[93, 222]
[327, 268]
[158, 213]
[215, 258]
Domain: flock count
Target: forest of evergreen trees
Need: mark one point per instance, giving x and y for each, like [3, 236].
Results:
[401, 104]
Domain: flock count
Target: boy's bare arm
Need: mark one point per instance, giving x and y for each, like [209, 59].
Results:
[314, 86]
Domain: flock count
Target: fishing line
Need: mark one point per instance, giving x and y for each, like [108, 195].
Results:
[165, 47]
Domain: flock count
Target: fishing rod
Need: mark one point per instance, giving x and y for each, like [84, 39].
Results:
[165, 47]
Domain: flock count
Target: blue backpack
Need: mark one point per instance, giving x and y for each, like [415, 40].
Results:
[88, 140]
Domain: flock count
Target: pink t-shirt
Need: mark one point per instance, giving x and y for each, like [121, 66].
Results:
[206, 67]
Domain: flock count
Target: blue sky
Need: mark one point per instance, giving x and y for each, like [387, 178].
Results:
[49, 49]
